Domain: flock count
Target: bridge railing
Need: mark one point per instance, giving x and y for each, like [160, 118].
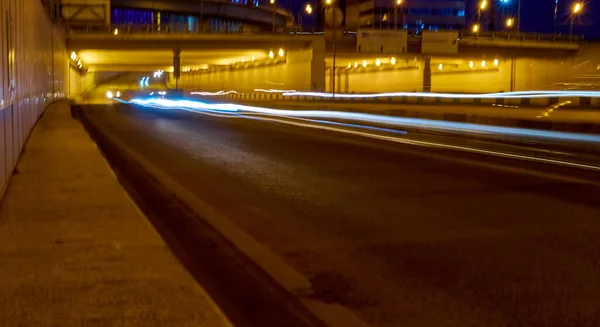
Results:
[241, 29]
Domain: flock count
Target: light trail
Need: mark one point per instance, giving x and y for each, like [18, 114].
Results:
[214, 93]
[439, 125]
[239, 111]
[501, 95]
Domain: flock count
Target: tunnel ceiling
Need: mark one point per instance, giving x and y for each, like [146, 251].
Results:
[157, 59]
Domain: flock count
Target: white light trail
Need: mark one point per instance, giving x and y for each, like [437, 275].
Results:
[369, 118]
[501, 95]
[213, 93]
[291, 117]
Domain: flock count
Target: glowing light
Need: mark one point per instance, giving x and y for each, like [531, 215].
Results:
[483, 63]
[483, 4]
[252, 58]
[364, 63]
[501, 95]
[356, 64]
[109, 94]
[496, 62]
[577, 7]
[271, 54]
[118, 94]
[377, 62]
[273, 91]
[509, 22]
[73, 55]
[349, 65]
[393, 61]
[440, 66]
[281, 52]
[328, 2]
[243, 59]
[475, 28]
[398, 2]
[116, 31]
[213, 93]
[308, 9]
[471, 64]
[272, 2]
[145, 81]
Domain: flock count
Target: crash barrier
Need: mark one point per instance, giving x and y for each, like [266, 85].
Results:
[541, 122]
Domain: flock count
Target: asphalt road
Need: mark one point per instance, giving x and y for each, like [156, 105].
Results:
[399, 234]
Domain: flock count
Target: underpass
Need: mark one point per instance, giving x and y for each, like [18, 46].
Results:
[284, 220]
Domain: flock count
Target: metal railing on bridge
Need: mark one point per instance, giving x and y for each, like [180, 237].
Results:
[204, 28]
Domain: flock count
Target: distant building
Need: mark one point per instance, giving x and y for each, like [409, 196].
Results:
[415, 15]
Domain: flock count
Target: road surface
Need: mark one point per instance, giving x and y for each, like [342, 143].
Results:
[401, 235]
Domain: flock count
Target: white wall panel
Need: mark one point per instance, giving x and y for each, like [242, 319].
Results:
[33, 72]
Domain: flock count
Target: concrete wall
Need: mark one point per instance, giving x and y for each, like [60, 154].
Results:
[399, 80]
[295, 74]
[33, 72]
[82, 83]
[581, 71]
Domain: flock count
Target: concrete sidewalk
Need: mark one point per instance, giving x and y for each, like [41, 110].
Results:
[74, 251]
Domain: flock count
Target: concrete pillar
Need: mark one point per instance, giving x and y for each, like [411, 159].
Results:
[176, 66]
[347, 82]
[317, 65]
[427, 74]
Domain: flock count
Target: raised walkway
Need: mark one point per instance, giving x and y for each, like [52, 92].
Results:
[75, 251]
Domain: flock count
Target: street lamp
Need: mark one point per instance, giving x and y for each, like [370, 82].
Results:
[331, 8]
[308, 10]
[482, 6]
[509, 23]
[475, 28]
[273, 4]
[398, 4]
[577, 7]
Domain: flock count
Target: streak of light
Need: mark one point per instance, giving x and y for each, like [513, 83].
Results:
[369, 118]
[502, 95]
[214, 93]
[273, 90]
[238, 110]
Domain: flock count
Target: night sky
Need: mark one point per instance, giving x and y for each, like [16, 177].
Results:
[537, 15]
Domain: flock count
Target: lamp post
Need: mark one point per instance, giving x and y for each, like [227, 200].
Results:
[482, 6]
[398, 3]
[555, 15]
[308, 10]
[273, 19]
[330, 7]
[577, 7]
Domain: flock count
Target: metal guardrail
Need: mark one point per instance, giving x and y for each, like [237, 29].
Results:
[202, 29]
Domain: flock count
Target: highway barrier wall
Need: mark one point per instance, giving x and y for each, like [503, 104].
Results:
[34, 71]
[544, 104]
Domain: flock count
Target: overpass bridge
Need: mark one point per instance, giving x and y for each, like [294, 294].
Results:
[215, 61]
[197, 14]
